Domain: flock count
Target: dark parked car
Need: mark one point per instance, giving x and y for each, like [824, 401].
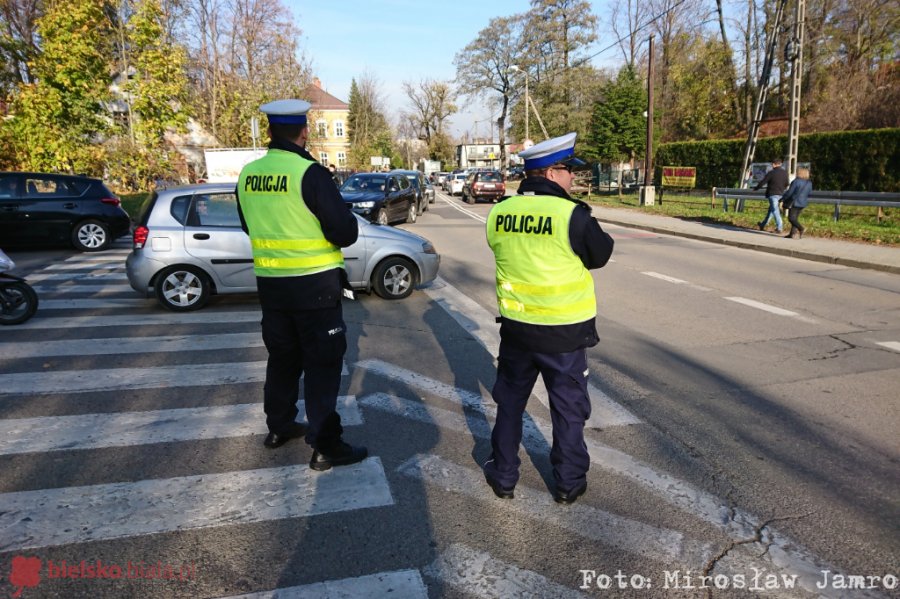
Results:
[42, 209]
[381, 197]
[424, 190]
[483, 185]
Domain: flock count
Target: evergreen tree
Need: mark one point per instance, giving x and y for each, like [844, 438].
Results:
[618, 126]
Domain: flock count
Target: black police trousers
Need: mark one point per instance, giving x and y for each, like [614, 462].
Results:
[311, 343]
[565, 375]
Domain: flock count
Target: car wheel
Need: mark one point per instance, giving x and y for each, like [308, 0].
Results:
[90, 236]
[412, 213]
[394, 278]
[382, 218]
[182, 288]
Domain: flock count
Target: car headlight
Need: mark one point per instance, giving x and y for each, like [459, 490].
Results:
[363, 204]
[428, 248]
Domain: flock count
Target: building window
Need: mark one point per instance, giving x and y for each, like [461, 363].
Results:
[323, 128]
[323, 158]
[342, 158]
[339, 129]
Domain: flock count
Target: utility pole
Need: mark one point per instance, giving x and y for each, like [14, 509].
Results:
[753, 132]
[794, 54]
[648, 192]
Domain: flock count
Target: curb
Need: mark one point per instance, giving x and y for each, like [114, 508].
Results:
[792, 253]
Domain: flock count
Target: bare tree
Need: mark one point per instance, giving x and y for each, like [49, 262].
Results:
[483, 66]
[626, 18]
[432, 104]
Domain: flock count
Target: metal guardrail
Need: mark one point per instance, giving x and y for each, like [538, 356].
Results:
[837, 198]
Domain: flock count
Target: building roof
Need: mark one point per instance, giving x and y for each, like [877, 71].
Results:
[321, 99]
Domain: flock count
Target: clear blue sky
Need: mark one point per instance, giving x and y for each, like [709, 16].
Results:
[402, 40]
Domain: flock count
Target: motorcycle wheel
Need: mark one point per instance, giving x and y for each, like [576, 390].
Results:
[20, 302]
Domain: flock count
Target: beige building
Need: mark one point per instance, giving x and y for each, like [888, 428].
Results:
[329, 139]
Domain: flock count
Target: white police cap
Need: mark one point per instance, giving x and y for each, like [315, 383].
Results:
[557, 150]
[286, 112]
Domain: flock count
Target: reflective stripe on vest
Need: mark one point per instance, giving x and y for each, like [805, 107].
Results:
[540, 280]
[286, 238]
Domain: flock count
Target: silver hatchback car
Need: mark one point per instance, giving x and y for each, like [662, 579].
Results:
[188, 245]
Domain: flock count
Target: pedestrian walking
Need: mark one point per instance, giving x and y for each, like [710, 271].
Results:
[795, 199]
[297, 223]
[544, 244]
[775, 181]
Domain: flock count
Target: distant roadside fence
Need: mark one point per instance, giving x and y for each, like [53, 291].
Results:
[881, 200]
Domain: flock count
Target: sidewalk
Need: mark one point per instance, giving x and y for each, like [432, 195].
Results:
[833, 251]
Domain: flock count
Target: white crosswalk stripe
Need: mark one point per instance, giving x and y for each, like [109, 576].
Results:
[30, 519]
[403, 584]
[130, 345]
[666, 546]
[478, 574]
[119, 429]
[121, 379]
[81, 276]
[129, 320]
[75, 288]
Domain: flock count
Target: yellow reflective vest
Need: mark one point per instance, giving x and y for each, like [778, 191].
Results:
[286, 237]
[540, 279]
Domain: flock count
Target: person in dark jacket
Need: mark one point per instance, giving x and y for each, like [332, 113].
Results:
[297, 223]
[545, 243]
[775, 182]
[795, 199]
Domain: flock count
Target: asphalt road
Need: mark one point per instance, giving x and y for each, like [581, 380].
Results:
[744, 427]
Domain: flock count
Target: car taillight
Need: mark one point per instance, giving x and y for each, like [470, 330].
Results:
[140, 236]
[111, 201]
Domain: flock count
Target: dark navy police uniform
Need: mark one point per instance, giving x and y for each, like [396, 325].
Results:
[557, 353]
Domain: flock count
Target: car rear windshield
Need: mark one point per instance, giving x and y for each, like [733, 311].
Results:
[490, 177]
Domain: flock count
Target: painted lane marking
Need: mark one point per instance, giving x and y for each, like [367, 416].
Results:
[662, 277]
[130, 320]
[480, 323]
[669, 279]
[48, 517]
[477, 574]
[120, 379]
[402, 584]
[771, 309]
[638, 538]
[455, 205]
[894, 345]
[130, 345]
[118, 429]
[106, 256]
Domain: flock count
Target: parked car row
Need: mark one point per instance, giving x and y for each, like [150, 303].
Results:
[390, 197]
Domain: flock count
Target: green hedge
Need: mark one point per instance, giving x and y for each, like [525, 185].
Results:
[841, 161]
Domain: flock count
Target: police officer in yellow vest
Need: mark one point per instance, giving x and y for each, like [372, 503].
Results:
[297, 223]
[544, 244]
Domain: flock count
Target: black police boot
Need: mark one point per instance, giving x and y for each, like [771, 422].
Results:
[274, 440]
[567, 497]
[498, 489]
[339, 454]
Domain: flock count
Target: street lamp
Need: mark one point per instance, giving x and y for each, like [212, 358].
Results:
[516, 68]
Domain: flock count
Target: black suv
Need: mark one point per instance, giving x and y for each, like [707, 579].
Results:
[45, 209]
[424, 191]
[381, 197]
